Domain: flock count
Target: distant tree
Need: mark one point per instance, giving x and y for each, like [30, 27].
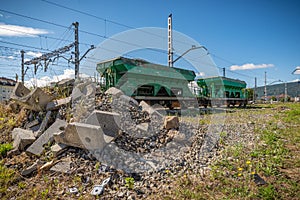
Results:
[249, 92]
[288, 99]
[274, 98]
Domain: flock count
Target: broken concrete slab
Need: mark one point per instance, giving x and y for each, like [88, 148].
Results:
[44, 124]
[108, 121]
[83, 100]
[57, 136]
[149, 109]
[22, 138]
[35, 128]
[56, 104]
[66, 82]
[126, 100]
[35, 100]
[171, 122]
[85, 89]
[84, 136]
[63, 166]
[32, 124]
[38, 146]
[29, 170]
[58, 149]
[19, 91]
[143, 127]
[115, 92]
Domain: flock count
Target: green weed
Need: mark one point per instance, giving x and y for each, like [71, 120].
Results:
[129, 182]
[4, 148]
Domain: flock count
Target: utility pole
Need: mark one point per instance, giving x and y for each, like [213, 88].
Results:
[285, 92]
[46, 58]
[22, 66]
[265, 86]
[254, 92]
[76, 24]
[223, 71]
[170, 42]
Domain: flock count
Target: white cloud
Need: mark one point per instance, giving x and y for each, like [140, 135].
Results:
[7, 58]
[46, 80]
[34, 54]
[297, 70]
[250, 66]
[200, 74]
[20, 31]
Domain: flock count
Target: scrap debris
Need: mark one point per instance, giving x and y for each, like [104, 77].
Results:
[90, 134]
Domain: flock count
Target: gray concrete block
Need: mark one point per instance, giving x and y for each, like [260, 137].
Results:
[84, 136]
[38, 146]
[63, 166]
[66, 82]
[108, 121]
[143, 127]
[152, 112]
[19, 91]
[126, 100]
[32, 124]
[56, 104]
[44, 124]
[115, 92]
[58, 149]
[29, 170]
[22, 138]
[35, 100]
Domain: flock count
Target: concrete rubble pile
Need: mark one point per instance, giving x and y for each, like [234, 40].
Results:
[89, 126]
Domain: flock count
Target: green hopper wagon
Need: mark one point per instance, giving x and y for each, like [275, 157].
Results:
[147, 81]
[222, 91]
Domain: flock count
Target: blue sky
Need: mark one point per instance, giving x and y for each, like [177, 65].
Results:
[247, 37]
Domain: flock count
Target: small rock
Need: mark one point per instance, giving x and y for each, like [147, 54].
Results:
[258, 180]
[73, 190]
[121, 194]
[64, 166]
[171, 122]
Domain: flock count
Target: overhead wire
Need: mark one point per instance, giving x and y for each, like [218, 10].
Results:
[90, 33]
[107, 20]
[82, 31]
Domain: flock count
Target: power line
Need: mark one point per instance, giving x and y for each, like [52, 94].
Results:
[107, 20]
[88, 14]
[81, 31]
[23, 45]
[32, 18]
[90, 33]
[18, 31]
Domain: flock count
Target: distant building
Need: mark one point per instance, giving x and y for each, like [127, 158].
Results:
[6, 87]
[278, 91]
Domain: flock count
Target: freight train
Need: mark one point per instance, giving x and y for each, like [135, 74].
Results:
[170, 86]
